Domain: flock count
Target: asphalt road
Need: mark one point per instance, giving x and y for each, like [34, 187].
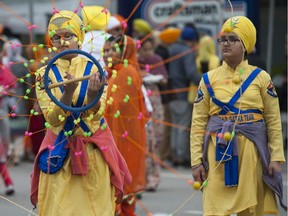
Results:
[175, 196]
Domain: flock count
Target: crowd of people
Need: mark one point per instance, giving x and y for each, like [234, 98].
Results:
[158, 107]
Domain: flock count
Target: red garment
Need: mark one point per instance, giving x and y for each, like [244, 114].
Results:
[36, 125]
[5, 174]
[120, 175]
[7, 79]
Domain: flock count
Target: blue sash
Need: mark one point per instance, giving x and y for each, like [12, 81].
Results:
[52, 160]
[230, 159]
[226, 107]
[231, 154]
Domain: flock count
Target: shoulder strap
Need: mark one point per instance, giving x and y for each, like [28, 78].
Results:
[226, 107]
[84, 84]
[214, 99]
[241, 91]
[57, 75]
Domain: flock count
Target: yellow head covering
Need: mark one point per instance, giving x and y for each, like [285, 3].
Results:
[206, 48]
[244, 28]
[67, 20]
[96, 17]
[169, 35]
[142, 26]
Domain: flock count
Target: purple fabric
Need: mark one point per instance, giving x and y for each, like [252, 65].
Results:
[151, 60]
[228, 127]
[257, 133]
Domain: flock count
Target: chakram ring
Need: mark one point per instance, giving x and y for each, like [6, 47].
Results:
[54, 99]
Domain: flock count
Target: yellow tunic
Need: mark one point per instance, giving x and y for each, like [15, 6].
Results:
[63, 193]
[218, 199]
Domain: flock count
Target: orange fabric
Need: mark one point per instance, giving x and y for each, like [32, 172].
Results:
[48, 41]
[130, 53]
[126, 208]
[133, 146]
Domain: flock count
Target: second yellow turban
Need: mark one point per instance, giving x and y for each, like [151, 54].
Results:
[244, 28]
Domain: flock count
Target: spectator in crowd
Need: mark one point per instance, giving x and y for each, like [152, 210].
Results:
[206, 59]
[8, 85]
[115, 27]
[167, 37]
[182, 71]
[125, 114]
[95, 20]
[154, 75]
[140, 27]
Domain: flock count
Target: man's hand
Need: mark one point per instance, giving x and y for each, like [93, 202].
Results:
[274, 166]
[69, 90]
[71, 87]
[199, 173]
[95, 85]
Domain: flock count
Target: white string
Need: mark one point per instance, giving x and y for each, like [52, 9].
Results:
[231, 7]
[31, 212]
[16, 204]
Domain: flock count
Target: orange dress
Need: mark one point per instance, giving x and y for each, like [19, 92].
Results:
[126, 117]
[128, 128]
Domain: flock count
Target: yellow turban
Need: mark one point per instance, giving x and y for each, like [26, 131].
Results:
[67, 20]
[206, 48]
[244, 28]
[169, 35]
[142, 26]
[96, 17]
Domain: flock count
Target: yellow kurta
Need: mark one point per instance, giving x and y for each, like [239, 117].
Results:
[63, 193]
[218, 199]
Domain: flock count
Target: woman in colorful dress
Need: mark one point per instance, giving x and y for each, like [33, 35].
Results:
[125, 113]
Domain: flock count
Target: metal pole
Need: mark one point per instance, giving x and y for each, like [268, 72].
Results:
[31, 17]
[270, 35]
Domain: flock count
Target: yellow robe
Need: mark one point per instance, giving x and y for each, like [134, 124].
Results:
[251, 190]
[63, 193]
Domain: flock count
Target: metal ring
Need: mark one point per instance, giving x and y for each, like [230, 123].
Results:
[54, 99]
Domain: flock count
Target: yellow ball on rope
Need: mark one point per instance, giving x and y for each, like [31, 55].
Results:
[227, 136]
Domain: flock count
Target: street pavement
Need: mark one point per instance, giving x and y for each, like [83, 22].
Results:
[174, 196]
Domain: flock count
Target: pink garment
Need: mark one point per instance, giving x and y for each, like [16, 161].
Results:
[5, 174]
[103, 139]
[7, 80]
[7, 77]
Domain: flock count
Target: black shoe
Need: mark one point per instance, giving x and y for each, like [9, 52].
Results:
[10, 190]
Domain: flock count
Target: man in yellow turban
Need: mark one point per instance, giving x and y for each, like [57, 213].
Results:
[236, 131]
[96, 19]
[245, 30]
[140, 27]
[169, 35]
